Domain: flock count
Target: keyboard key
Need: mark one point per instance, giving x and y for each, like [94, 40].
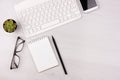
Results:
[50, 24]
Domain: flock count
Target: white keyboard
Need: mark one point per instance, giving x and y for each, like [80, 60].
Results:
[36, 16]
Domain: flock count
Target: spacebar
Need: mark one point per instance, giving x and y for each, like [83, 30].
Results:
[52, 23]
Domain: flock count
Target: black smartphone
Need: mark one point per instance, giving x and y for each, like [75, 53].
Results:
[88, 5]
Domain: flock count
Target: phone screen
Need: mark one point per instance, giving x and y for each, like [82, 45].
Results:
[88, 4]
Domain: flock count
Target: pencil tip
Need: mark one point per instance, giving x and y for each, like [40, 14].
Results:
[52, 37]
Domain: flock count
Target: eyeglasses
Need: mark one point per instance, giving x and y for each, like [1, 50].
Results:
[18, 48]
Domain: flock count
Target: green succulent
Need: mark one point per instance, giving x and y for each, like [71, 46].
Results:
[10, 25]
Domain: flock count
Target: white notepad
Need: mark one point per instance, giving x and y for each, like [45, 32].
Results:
[43, 54]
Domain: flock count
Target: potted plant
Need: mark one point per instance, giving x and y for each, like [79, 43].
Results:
[10, 25]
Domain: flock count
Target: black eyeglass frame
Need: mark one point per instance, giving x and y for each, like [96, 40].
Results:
[15, 53]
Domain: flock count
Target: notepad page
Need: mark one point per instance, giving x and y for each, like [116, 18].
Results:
[43, 54]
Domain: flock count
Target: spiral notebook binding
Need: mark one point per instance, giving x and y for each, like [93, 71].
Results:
[37, 39]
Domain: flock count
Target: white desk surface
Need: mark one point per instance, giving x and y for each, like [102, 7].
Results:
[90, 46]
